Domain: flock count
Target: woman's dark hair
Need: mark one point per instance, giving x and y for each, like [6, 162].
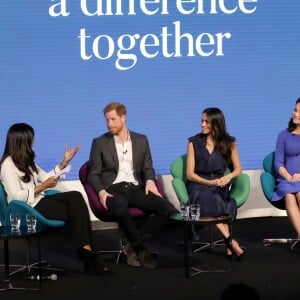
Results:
[292, 125]
[224, 142]
[18, 146]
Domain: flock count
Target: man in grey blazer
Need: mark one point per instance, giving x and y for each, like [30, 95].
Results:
[121, 171]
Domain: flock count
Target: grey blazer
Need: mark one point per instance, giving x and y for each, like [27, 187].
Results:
[104, 164]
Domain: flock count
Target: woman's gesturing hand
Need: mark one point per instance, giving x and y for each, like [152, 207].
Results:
[70, 153]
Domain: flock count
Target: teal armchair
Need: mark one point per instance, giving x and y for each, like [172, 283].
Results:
[268, 183]
[22, 208]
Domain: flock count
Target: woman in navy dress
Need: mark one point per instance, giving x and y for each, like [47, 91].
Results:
[208, 155]
[287, 165]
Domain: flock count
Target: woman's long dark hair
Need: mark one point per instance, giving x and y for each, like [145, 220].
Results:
[223, 141]
[291, 125]
[18, 146]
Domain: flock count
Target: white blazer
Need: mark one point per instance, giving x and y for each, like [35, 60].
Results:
[17, 189]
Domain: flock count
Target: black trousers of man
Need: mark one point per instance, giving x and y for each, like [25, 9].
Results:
[157, 210]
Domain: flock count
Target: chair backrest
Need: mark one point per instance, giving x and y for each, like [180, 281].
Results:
[178, 171]
[268, 180]
[3, 205]
[97, 208]
[268, 164]
[178, 168]
[240, 187]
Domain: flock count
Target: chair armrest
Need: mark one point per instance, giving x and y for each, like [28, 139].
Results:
[23, 208]
[51, 192]
[240, 189]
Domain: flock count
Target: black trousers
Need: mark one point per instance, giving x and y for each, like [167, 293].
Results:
[157, 210]
[71, 208]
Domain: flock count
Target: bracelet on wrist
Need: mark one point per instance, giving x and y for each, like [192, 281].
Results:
[63, 164]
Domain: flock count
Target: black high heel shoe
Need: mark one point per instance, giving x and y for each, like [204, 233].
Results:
[229, 255]
[234, 252]
[93, 263]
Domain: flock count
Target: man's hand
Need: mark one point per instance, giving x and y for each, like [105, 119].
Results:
[103, 195]
[151, 187]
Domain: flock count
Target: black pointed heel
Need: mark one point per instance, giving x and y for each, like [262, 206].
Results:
[241, 255]
[93, 263]
[229, 256]
[229, 245]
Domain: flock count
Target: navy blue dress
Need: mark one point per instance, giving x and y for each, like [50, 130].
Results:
[214, 201]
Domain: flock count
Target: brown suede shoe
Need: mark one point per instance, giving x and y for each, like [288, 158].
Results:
[132, 258]
[147, 259]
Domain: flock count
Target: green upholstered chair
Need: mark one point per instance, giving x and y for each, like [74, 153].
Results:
[239, 190]
[268, 183]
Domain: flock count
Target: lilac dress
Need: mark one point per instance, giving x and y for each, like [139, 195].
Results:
[214, 201]
[287, 154]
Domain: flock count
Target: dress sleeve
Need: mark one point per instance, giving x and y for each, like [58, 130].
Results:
[42, 175]
[279, 151]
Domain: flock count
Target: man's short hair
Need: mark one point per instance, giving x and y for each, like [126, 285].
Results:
[118, 107]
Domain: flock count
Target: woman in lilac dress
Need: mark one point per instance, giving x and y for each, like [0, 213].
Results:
[287, 165]
[208, 155]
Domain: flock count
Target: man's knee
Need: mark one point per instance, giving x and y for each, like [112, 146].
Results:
[117, 206]
[165, 207]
